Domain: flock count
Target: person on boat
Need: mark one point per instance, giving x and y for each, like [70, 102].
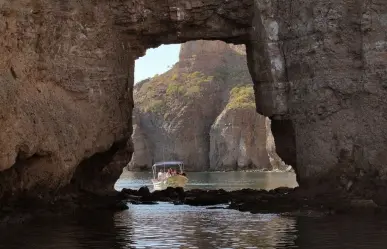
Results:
[160, 175]
[169, 173]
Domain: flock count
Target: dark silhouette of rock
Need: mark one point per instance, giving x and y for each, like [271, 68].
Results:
[144, 191]
[281, 200]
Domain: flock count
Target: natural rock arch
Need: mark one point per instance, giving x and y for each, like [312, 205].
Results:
[66, 71]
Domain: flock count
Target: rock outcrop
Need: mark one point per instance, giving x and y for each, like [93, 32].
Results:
[322, 82]
[185, 113]
[143, 156]
[66, 74]
[238, 136]
[64, 97]
[288, 201]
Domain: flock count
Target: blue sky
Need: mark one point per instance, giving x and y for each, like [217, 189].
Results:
[156, 61]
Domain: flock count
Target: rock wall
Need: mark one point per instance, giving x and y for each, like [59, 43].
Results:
[66, 71]
[143, 156]
[238, 141]
[320, 72]
[64, 95]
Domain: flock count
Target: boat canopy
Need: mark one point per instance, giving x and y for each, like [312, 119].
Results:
[168, 163]
[162, 165]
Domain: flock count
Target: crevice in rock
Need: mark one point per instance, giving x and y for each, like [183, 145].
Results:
[285, 142]
[14, 75]
[93, 173]
[23, 160]
[12, 180]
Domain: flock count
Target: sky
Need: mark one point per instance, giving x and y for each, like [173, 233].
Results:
[156, 61]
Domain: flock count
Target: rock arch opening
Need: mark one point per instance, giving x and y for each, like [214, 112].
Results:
[67, 87]
[202, 111]
[74, 87]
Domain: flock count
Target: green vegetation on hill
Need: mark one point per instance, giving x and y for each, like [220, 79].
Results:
[163, 91]
[187, 84]
[241, 97]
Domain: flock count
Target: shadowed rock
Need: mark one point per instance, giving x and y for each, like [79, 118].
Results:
[281, 200]
[66, 76]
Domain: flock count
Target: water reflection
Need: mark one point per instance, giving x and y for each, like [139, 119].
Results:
[169, 226]
[362, 231]
[216, 180]
[81, 230]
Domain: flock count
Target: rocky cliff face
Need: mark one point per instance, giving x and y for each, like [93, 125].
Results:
[143, 156]
[173, 109]
[176, 118]
[322, 82]
[238, 141]
[64, 97]
[241, 138]
[66, 74]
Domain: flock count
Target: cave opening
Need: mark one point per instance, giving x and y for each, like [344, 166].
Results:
[195, 102]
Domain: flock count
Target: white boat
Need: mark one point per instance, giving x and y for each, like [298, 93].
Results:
[163, 179]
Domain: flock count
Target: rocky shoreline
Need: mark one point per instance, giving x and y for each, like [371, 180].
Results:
[288, 169]
[289, 201]
[284, 201]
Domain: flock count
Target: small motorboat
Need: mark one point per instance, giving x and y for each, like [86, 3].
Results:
[168, 174]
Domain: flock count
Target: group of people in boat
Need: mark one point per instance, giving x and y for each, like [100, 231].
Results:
[170, 172]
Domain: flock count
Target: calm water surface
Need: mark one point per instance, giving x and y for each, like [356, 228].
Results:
[169, 226]
[215, 180]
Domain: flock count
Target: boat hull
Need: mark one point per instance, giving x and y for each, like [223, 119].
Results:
[173, 181]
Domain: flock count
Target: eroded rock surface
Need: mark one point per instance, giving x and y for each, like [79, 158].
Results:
[322, 81]
[66, 71]
[238, 140]
[64, 95]
[142, 157]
